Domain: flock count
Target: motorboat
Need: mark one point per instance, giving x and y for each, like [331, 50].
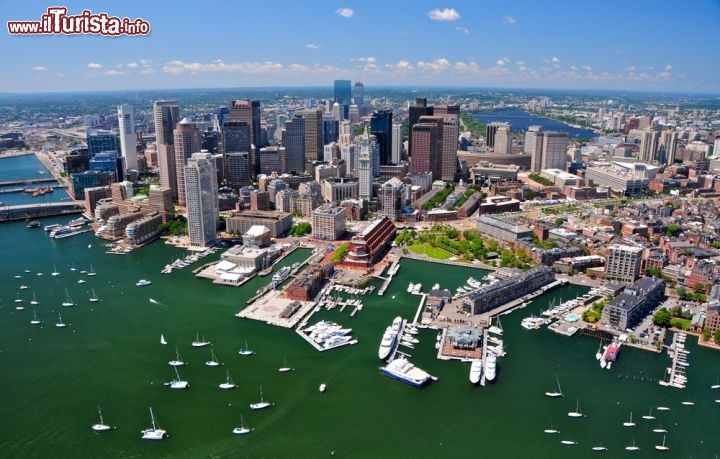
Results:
[322, 387]
[490, 366]
[142, 283]
[402, 370]
[475, 371]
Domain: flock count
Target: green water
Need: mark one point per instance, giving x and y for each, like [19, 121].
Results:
[52, 379]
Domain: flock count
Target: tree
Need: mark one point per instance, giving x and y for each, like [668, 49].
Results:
[706, 335]
[662, 318]
[673, 229]
[717, 337]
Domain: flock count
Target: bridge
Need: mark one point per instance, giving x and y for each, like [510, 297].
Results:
[28, 181]
[30, 211]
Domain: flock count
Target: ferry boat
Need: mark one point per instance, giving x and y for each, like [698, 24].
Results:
[475, 371]
[610, 354]
[54, 226]
[402, 370]
[490, 366]
[61, 232]
[281, 275]
[77, 222]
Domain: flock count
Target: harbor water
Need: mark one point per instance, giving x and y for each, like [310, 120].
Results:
[110, 355]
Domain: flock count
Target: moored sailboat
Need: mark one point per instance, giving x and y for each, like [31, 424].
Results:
[153, 433]
[94, 298]
[60, 323]
[284, 368]
[68, 301]
[261, 404]
[246, 350]
[213, 362]
[557, 393]
[229, 383]
[35, 320]
[577, 413]
[243, 428]
[662, 447]
[101, 426]
[162, 339]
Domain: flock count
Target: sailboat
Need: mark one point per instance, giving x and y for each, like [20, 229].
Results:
[663, 408]
[229, 383]
[568, 442]
[284, 368]
[68, 301]
[213, 360]
[598, 354]
[72, 267]
[177, 362]
[154, 433]
[551, 430]
[54, 271]
[629, 423]
[659, 429]
[243, 429]
[576, 413]
[34, 320]
[18, 303]
[91, 271]
[717, 385]
[177, 383]
[34, 301]
[261, 404]
[246, 350]
[18, 299]
[101, 427]
[60, 323]
[198, 343]
[662, 447]
[632, 447]
[559, 390]
[162, 339]
[687, 403]
[649, 416]
[94, 298]
[599, 448]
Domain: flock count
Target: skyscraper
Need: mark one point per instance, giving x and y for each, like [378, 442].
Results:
[187, 141]
[330, 128]
[368, 167]
[342, 95]
[490, 131]
[358, 94]
[166, 114]
[237, 169]
[248, 111]
[381, 127]
[451, 132]
[668, 146]
[99, 140]
[554, 151]
[201, 190]
[126, 118]
[533, 146]
[313, 119]
[348, 153]
[427, 142]
[398, 141]
[503, 143]
[235, 137]
[420, 108]
[391, 198]
[294, 142]
[346, 133]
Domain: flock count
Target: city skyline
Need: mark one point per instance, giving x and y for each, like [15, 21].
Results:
[635, 46]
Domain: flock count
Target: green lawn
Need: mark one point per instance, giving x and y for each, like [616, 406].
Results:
[430, 251]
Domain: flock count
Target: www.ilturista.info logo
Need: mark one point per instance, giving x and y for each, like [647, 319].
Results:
[57, 22]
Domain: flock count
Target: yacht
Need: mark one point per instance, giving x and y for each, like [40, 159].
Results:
[281, 275]
[490, 366]
[142, 283]
[402, 370]
[261, 404]
[101, 426]
[475, 371]
[243, 429]
[228, 384]
[153, 433]
[198, 342]
[388, 343]
[410, 287]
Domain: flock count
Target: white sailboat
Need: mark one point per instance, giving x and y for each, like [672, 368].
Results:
[162, 339]
[629, 423]
[551, 430]
[228, 384]
[649, 416]
[18, 303]
[599, 448]
[662, 447]
[60, 323]
[91, 271]
[246, 350]
[577, 413]
[687, 403]
[177, 362]
[261, 404]
[559, 390]
[18, 299]
[568, 442]
[34, 320]
[213, 362]
[81, 281]
[632, 447]
[72, 267]
[284, 368]
[94, 298]
[68, 301]
[716, 385]
[101, 426]
[663, 408]
[659, 430]
[198, 342]
[243, 429]
[54, 271]
[177, 383]
[154, 433]
[34, 301]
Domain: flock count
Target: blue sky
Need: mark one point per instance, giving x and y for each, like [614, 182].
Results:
[613, 44]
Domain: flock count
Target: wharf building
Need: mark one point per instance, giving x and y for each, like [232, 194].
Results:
[501, 229]
[328, 223]
[279, 223]
[547, 256]
[491, 296]
[367, 247]
[629, 308]
[166, 114]
[143, 230]
[201, 192]
[623, 263]
[308, 283]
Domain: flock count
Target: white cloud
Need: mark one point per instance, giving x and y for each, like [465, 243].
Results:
[631, 69]
[178, 67]
[586, 67]
[555, 59]
[147, 71]
[93, 65]
[447, 14]
[464, 30]
[114, 73]
[133, 65]
[436, 65]
[312, 46]
[502, 61]
[345, 12]
[508, 20]
[39, 68]
[665, 75]
[369, 59]
[668, 67]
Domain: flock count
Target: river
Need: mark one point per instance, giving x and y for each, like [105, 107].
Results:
[521, 120]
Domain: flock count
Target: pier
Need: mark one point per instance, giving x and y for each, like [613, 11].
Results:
[678, 378]
[33, 211]
[28, 181]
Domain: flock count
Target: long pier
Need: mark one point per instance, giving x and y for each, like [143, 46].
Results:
[30, 211]
[28, 181]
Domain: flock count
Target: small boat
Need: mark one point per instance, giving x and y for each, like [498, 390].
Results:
[285, 368]
[599, 448]
[322, 387]
[659, 430]
[34, 301]
[243, 429]
[663, 408]
[687, 403]
[662, 447]
[551, 431]
[649, 416]
[33, 224]
[101, 427]
[177, 383]
[632, 447]
[81, 281]
[23, 287]
[142, 283]
[60, 323]
[154, 433]
[261, 404]
[18, 299]
[629, 423]
[177, 362]
[568, 442]
[559, 390]
[39, 274]
[213, 360]
[34, 320]
[198, 343]
[162, 339]
[577, 413]
[68, 301]
[54, 271]
[246, 350]
[716, 385]
[91, 271]
[72, 267]
[229, 383]
[94, 298]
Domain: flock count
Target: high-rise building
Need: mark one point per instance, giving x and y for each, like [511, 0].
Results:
[381, 127]
[420, 108]
[346, 133]
[313, 133]
[237, 169]
[533, 146]
[166, 114]
[623, 263]
[331, 152]
[365, 168]
[248, 111]
[236, 137]
[187, 141]
[272, 159]
[451, 132]
[330, 128]
[99, 140]
[391, 198]
[342, 95]
[328, 223]
[398, 142]
[554, 151]
[491, 130]
[336, 112]
[503, 142]
[358, 94]
[128, 147]
[294, 142]
[201, 191]
[369, 142]
[668, 147]
[348, 153]
[648, 143]
[427, 142]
